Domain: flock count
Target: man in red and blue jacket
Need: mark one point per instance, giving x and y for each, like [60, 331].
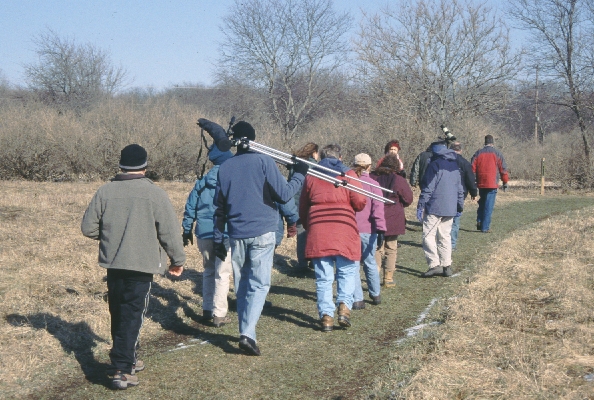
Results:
[489, 166]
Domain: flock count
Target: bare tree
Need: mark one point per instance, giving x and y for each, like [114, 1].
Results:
[72, 74]
[561, 45]
[290, 48]
[437, 61]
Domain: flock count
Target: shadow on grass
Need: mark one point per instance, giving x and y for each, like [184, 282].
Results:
[404, 270]
[162, 310]
[410, 243]
[75, 338]
[289, 267]
[291, 316]
[293, 291]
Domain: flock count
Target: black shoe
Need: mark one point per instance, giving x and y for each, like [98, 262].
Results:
[358, 305]
[249, 346]
[447, 271]
[433, 272]
[206, 315]
[376, 300]
[479, 225]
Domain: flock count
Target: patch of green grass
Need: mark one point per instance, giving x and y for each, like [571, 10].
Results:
[299, 361]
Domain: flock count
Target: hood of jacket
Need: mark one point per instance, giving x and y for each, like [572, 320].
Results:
[441, 151]
[210, 179]
[333, 163]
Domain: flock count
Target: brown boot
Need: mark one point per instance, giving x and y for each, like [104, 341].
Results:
[327, 323]
[389, 279]
[344, 315]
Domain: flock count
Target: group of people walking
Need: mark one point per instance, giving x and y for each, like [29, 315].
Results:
[233, 212]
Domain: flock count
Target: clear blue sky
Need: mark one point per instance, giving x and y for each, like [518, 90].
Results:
[159, 42]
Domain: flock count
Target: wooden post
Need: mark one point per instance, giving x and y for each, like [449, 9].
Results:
[542, 176]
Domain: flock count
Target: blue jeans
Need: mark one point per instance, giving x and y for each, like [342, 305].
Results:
[486, 203]
[346, 273]
[368, 244]
[455, 229]
[252, 265]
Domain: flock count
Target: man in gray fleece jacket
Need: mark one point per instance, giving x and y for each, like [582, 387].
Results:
[137, 230]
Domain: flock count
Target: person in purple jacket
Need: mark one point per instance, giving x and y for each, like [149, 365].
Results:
[441, 199]
[388, 177]
[372, 226]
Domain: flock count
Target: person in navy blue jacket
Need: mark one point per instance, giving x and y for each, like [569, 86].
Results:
[248, 189]
[468, 185]
[441, 199]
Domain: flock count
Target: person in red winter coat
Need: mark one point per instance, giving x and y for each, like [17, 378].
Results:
[328, 215]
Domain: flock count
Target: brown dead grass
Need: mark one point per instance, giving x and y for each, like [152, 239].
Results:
[523, 328]
[50, 281]
[54, 318]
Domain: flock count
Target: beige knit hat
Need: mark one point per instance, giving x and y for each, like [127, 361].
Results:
[362, 159]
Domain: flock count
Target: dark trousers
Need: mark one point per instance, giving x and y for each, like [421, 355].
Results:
[128, 297]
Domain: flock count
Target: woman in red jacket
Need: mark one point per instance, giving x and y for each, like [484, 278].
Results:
[387, 176]
[328, 215]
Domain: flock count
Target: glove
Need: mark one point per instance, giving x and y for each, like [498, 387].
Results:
[420, 214]
[220, 250]
[187, 237]
[458, 214]
[504, 187]
[291, 230]
[300, 168]
[380, 239]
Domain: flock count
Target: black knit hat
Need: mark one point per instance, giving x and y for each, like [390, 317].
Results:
[488, 139]
[243, 130]
[133, 157]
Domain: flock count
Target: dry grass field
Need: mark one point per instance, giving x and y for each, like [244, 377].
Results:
[54, 317]
[522, 326]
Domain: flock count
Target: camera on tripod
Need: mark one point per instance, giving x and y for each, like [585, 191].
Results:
[449, 137]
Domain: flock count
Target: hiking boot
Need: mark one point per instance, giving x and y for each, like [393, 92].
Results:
[389, 279]
[327, 323]
[432, 272]
[375, 300]
[139, 366]
[358, 305]
[447, 271]
[249, 345]
[344, 315]
[121, 381]
[220, 321]
[206, 315]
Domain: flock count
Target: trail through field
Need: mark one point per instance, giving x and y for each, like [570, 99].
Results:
[298, 360]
